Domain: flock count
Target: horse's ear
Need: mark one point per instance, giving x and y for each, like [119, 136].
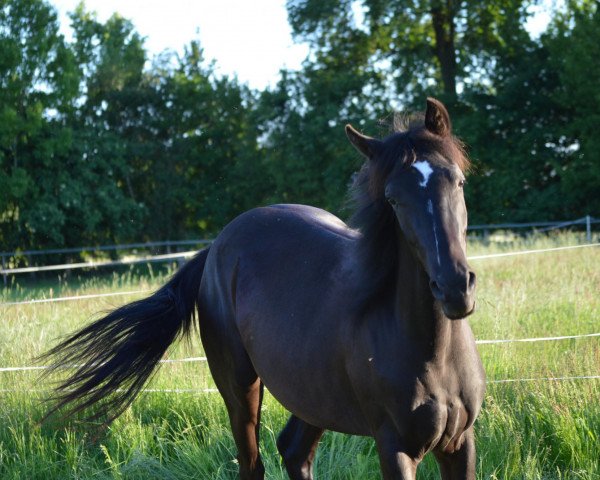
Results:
[437, 119]
[366, 145]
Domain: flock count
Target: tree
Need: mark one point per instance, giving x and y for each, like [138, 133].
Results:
[209, 167]
[574, 45]
[307, 155]
[428, 46]
[508, 131]
[471, 54]
[180, 141]
[38, 80]
[87, 185]
[531, 135]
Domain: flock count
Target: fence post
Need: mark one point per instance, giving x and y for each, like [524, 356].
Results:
[588, 228]
[4, 275]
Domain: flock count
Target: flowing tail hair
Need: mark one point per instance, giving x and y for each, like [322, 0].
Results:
[116, 355]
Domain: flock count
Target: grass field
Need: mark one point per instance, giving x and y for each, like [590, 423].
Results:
[535, 429]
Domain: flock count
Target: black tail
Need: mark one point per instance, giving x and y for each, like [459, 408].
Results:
[116, 355]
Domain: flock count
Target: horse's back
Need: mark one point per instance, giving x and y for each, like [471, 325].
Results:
[282, 239]
[280, 224]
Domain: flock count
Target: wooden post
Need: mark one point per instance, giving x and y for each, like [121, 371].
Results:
[588, 228]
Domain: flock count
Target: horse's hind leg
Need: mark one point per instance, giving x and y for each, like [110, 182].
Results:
[242, 391]
[297, 444]
[243, 405]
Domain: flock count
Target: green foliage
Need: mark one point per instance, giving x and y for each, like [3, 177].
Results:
[426, 46]
[531, 135]
[510, 96]
[307, 155]
[574, 47]
[36, 80]
[97, 148]
[511, 134]
[98, 144]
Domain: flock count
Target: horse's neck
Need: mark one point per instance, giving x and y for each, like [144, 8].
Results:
[421, 318]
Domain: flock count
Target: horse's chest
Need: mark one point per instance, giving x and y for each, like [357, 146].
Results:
[431, 410]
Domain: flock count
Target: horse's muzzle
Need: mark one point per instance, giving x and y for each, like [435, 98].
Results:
[457, 298]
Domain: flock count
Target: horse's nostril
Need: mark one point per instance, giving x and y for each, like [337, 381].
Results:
[436, 290]
[472, 281]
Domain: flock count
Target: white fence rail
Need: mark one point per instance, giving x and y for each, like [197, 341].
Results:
[197, 391]
[588, 221]
[108, 263]
[182, 255]
[169, 245]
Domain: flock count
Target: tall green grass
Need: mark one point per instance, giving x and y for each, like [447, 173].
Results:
[536, 429]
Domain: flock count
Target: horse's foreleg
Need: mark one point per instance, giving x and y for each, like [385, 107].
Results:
[395, 463]
[297, 444]
[460, 464]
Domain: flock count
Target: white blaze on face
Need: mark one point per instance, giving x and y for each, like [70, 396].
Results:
[437, 245]
[425, 170]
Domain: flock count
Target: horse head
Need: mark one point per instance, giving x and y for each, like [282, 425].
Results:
[417, 177]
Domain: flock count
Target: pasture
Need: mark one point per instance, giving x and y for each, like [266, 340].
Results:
[533, 428]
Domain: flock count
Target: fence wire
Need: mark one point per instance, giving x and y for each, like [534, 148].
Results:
[203, 359]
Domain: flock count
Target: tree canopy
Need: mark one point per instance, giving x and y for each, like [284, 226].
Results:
[99, 143]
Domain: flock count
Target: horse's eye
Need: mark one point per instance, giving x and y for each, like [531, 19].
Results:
[461, 183]
[392, 201]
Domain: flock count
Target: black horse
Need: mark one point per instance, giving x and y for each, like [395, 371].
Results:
[359, 330]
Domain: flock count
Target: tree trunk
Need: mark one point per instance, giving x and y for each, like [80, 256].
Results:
[442, 15]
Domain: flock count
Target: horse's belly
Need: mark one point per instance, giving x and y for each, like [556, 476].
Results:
[303, 368]
[327, 405]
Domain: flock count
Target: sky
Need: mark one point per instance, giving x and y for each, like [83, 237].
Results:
[248, 38]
